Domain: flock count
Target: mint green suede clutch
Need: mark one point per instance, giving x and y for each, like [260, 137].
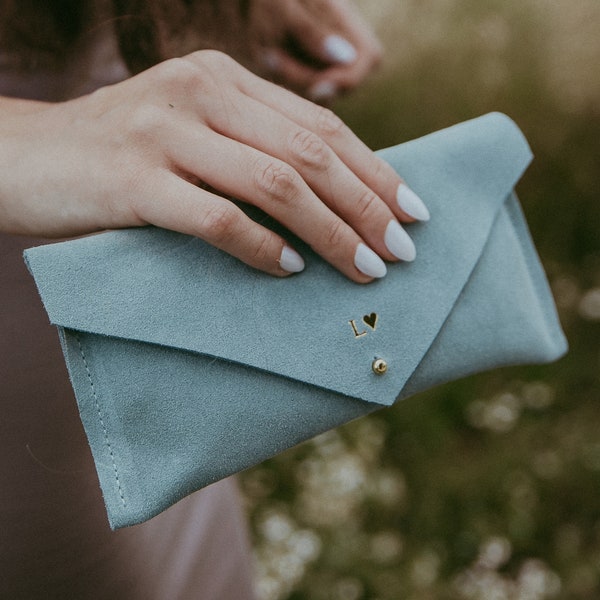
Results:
[189, 366]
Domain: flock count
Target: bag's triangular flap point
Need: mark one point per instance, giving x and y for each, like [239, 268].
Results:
[471, 339]
[164, 288]
[492, 146]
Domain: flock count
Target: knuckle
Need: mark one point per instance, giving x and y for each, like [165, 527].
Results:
[212, 64]
[175, 67]
[334, 233]
[189, 77]
[147, 122]
[220, 224]
[381, 170]
[308, 150]
[366, 204]
[213, 57]
[277, 180]
[262, 251]
[328, 124]
[174, 71]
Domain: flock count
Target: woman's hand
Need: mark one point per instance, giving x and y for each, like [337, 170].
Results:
[134, 153]
[319, 48]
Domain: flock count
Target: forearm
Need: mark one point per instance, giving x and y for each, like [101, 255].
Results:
[38, 170]
[11, 133]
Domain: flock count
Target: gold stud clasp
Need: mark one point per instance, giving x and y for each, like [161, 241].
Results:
[379, 366]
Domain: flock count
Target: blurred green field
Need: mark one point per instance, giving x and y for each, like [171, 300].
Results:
[487, 488]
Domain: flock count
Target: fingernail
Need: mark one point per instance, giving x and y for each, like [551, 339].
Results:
[291, 261]
[367, 262]
[324, 90]
[411, 204]
[398, 242]
[340, 50]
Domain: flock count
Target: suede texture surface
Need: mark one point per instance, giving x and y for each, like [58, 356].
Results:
[189, 366]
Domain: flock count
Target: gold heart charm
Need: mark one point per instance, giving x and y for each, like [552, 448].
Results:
[371, 320]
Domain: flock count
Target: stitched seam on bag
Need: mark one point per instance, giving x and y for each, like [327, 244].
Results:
[104, 429]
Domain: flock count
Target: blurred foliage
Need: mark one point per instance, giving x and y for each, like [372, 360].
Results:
[487, 488]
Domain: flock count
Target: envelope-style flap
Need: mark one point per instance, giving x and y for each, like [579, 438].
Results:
[317, 327]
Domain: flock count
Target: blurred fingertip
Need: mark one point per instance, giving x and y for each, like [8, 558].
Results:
[323, 91]
[271, 60]
[339, 49]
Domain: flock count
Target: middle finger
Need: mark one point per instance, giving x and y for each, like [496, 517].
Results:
[323, 171]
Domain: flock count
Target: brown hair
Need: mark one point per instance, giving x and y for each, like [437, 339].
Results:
[147, 31]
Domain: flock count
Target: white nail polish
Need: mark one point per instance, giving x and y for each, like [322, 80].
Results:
[398, 242]
[411, 204]
[324, 90]
[291, 261]
[340, 50]
[367, 262]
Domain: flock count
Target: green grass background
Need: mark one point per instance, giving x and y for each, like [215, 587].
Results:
[487, 488]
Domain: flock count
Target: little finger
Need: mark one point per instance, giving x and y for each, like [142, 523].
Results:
[178, 205]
